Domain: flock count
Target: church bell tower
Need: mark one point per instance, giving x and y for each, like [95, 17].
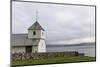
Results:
[36, 32]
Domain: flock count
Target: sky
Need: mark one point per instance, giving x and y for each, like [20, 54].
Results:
[63, 24]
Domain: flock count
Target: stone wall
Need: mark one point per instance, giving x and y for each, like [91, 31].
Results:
[24, 56]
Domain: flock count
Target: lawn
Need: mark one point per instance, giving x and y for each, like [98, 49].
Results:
[66, 59]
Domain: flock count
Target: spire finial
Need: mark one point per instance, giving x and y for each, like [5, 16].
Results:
[36, 15]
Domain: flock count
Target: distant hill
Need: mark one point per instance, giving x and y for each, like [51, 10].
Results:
[90, 43]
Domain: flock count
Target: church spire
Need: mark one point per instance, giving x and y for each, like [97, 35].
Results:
[36, 25]
[36, 15]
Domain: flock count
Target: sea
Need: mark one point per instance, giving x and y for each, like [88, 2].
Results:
[88, 49]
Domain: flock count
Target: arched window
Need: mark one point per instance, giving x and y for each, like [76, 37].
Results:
[34, 32]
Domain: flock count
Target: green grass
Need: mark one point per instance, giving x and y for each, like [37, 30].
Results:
[67, 59]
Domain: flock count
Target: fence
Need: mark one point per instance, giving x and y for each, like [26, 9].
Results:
[24, 56]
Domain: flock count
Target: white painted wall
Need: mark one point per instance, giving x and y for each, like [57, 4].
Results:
[42, 34]
[42, 46]
[30, 34]
[38, 34]
[18, 49]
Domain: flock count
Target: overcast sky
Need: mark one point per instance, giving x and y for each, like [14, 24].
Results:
[62, 23]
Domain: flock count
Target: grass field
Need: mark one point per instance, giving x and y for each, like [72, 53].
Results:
[67, 59]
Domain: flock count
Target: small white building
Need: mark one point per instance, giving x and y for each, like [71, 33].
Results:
[32, 42]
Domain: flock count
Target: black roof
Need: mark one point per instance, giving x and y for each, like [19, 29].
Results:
[36, 26]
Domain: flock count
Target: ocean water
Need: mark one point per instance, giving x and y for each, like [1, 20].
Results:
[87, 49]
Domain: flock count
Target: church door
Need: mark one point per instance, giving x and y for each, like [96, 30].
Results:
[28, 49]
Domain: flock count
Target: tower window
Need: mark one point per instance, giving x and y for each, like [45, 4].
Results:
[34, 33]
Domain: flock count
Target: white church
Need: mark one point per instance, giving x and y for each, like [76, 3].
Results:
[32, 42]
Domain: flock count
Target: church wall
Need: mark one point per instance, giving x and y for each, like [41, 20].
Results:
[30, 34]
[42, 46]
[42, 34]
[18, 49]
[39, 34]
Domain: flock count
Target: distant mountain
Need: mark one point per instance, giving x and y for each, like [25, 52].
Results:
[90, 43]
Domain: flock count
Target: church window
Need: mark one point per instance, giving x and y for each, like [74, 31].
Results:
[34, 32]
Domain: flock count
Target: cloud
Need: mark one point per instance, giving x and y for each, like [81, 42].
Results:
[75, 41]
